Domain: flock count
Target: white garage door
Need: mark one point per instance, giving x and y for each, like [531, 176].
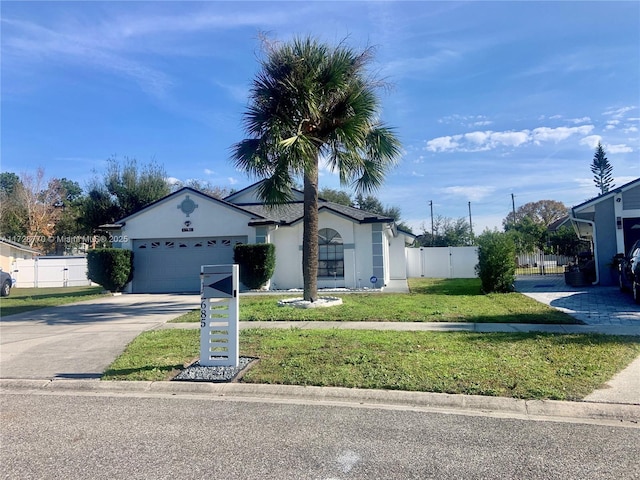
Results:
[172, 265]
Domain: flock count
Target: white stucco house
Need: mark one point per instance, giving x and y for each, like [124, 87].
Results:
[172, 237]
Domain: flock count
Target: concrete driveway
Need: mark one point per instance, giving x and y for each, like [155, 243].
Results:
[593, 305]
[80, 340]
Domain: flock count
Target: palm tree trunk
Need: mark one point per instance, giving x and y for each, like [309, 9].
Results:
[310, 233]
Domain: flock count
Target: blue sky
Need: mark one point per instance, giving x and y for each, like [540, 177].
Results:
[488, 98]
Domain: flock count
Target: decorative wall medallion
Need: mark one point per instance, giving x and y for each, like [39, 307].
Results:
[187, 206]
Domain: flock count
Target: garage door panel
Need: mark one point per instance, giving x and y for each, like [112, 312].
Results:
[173, 265]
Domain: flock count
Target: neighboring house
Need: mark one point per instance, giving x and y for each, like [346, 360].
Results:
[172, 237]
[611, 222]
[11, 251]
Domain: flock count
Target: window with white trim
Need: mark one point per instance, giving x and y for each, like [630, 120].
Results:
[330, 254]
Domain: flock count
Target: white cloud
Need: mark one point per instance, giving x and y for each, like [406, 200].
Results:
[232, 181]
[478, 138]
[512, 139]
[622, 180]
[416, 174]
[580, 120]
[546, 134]
[618, 112]
[473, 193]
[485, 140]
[173, 180]
[610, 127]
[208, 171]
[442, 144]
[630, 130]
[591, 141]
[620, 148]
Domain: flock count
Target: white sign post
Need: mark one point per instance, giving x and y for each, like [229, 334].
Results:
[219, 315]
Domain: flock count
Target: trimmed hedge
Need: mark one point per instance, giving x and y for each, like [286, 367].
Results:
[256, 263]
[496, 261]
[112, 268]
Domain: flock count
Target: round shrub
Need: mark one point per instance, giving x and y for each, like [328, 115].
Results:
[111, 268]
[256, 263]
[496, 261]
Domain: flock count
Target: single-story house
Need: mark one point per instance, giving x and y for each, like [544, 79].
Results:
[11, 251]
[611, 222]
[172, 237]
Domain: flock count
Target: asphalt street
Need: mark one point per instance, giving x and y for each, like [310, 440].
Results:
[93, 436]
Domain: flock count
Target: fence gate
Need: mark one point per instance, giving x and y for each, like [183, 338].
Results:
[539, 263]
[442, 262]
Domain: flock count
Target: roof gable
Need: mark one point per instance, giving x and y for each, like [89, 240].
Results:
[19, 246]
[292, 212]
[606, 196]
[250, 195]
[196, 193]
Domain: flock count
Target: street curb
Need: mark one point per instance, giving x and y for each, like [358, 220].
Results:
[455, 403]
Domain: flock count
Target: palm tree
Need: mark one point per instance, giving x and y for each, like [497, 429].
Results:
[312, 100]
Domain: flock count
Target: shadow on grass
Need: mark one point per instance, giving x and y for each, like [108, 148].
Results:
[451, 287]
[37, 293]
[582, 339]
[115, 374]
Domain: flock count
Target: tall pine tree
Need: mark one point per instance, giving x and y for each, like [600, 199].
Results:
[601, 169]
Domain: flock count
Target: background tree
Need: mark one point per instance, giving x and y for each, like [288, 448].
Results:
[204, 187]
[336, 196]
[371, 204]
[13, 214]
[69, 229]
[447, 232]
[529, 226]
[123, 189]
[602, 170]
[41, 213]
[311, 99]
[564, 241]
[542, 212]
[38, 212]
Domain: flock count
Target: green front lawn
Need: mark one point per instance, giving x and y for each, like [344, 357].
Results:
[519, 365]
[26, 299]
[430, 300]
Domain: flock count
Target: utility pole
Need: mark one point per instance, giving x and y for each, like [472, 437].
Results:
[432, 234]
[470, 224]
[513, 206]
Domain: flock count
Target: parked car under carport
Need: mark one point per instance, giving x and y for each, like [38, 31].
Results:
[629, 272]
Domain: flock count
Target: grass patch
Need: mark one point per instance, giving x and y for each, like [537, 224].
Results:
[518, 365]
[155, 355]
[26, 299]
[429, 300]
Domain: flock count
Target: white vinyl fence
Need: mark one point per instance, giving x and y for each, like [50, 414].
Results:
[442, 262]
[50, 272]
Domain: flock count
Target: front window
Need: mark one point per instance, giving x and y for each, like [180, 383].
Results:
[330, 253]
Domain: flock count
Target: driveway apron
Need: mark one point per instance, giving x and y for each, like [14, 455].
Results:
[81, 340]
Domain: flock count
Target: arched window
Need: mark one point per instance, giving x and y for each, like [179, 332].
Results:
[330, 253]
